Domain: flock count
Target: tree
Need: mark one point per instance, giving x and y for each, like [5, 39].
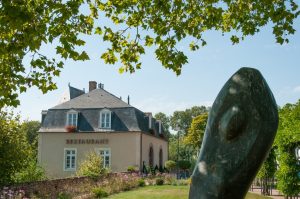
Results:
[15, 151]
[25, 26]
[287, 141]
[181, 120]
[30, 128]
[267, 171]
[92, 166]
[196, 132]
[186, 152]
[165, 120]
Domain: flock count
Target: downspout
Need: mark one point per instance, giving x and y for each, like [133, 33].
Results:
[141, 152]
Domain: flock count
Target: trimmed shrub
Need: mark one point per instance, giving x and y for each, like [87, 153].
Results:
[170, 165]
[159, 181]
[141, 182]
[99, 193]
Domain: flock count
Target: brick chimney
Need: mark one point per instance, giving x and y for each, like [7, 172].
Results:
[92, 85]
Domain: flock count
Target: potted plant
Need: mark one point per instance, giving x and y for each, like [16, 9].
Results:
[71, 128]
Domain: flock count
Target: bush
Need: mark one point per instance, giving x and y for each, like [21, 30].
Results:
[33, 172]
[159, 181]
[184, 164]
[14, 148]
[122, 182]
[141, 182]
[170, 164]
[100, 193]
[169, 179]
[131, 169]
[92, 166]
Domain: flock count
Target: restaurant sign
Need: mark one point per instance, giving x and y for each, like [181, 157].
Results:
[86, 141]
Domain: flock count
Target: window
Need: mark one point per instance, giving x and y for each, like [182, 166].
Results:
[159, 126]
[70, 160]
[150, 121]
[72, 118]
[105, 156]
[151, 156]
[160, 158]
[105, 119]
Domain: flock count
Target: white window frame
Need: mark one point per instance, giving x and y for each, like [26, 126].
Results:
[65, 159]
[150, 121]
[72, 112]
[159, 126]
[98, 151]
[105, 112]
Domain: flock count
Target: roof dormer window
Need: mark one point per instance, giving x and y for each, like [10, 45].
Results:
[72, 118]
[149, 115]
[105, 119]
[159, 126]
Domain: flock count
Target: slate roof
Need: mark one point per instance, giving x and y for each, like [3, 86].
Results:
[97, 98]
[124, 117]
[75, 92]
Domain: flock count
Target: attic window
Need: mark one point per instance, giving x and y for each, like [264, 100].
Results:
[105, 119]
[150, 121]
[72, 118]
[159, 126]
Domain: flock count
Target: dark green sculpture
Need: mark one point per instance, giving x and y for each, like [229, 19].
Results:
[239, 134]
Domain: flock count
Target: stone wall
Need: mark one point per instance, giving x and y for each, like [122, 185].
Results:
[75, 186]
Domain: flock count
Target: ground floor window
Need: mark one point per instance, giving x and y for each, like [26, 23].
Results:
[106, 156]
[70, 159]
[151, 157]
[160, 158]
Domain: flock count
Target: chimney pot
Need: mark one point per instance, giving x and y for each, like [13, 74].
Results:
[92, 85]
[101, 86]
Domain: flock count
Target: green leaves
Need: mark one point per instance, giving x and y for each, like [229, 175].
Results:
[15, 151]
[196, 131]
[165, 23]
[26, 25]
[92, 166]
[286, 141]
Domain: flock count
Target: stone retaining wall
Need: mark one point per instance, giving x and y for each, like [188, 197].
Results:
[74, 186]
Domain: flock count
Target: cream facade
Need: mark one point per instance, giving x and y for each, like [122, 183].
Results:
[126, 149]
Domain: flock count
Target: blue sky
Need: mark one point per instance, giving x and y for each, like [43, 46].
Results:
[155, 89]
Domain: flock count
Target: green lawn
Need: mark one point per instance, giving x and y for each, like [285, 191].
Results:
[163, 192]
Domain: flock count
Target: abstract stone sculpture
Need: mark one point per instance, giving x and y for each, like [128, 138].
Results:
[239, 134]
